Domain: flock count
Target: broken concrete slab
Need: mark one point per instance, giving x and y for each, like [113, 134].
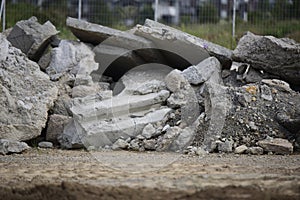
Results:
[183, 96]
[273, 55]
[74, 58]
[55, 127]
[31, 37]
[26, 95]
[71, 138]
[12, 146]
[178, 53]
[162, 35]
[209, 68]
[4, 44]
[118, 106]
[276, 145]
[96, 34]
[101, 122]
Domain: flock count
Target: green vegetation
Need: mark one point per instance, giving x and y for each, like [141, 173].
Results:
[260, 22]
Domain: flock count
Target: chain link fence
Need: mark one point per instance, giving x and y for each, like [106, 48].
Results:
[220, 21]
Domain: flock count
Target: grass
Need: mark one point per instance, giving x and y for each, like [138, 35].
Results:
[219, 33]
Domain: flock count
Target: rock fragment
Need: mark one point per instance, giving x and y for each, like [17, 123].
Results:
[12, 146]
[26, 95]
[273, 55]
[241, 149]
[277, 146]
[55, 126]
[31, 37]
[45, 144]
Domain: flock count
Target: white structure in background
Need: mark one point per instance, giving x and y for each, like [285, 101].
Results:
[166, 10]
[2, 14]
[224, 9]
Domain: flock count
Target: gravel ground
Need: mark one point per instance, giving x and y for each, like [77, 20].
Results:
[59, 174]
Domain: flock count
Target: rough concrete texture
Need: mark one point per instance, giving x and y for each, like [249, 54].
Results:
[100, 122]
[31, 37]
[55, 126]
[223, 54]
[74, 58]
[276, 145]
[11, 146]
[26, 95]
[282, 59]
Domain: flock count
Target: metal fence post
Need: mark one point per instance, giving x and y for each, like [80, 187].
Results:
[233, 19]
[3, 13]
[79, 9]
[156, 11]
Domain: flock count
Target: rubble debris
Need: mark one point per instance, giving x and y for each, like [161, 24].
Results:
[255, 150]
[241, 149]
[276, 145]
[55, 127]
[12, 146]
[72, 57]
[152, 88]
[31, 37]
[183, 96]
[282, 59]
[45, 144]
[26, 95]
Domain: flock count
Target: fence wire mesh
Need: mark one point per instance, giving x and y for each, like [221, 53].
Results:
[210, 19]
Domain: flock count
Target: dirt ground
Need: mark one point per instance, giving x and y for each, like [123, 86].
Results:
[59, 174]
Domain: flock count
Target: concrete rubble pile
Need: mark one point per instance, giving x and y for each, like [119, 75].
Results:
[150, 88]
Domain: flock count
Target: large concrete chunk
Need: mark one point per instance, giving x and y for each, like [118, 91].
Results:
[11, 146]
[99, 122]
[280, 57]
[191, 48]
[209, 68]
[96, 34]
[26, 95]
[71, 57]
[183, 96]
[4, 44]
[31, 37]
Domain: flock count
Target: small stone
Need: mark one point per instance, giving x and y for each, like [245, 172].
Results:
[226, 146]
[252, 126]
[91, 148]
[201, 152]
[120, 144]
[266, 93]
[12, 146]
[45, 145]
[165, 128]
[140, 137]
[277, 146]
[148, 131]
[256, 150]
[134, 145]
[241, 149]
[149, 144]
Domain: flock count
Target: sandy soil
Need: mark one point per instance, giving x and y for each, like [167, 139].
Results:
[58, 174]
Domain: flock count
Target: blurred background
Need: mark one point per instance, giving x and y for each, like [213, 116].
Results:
[219, 21]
